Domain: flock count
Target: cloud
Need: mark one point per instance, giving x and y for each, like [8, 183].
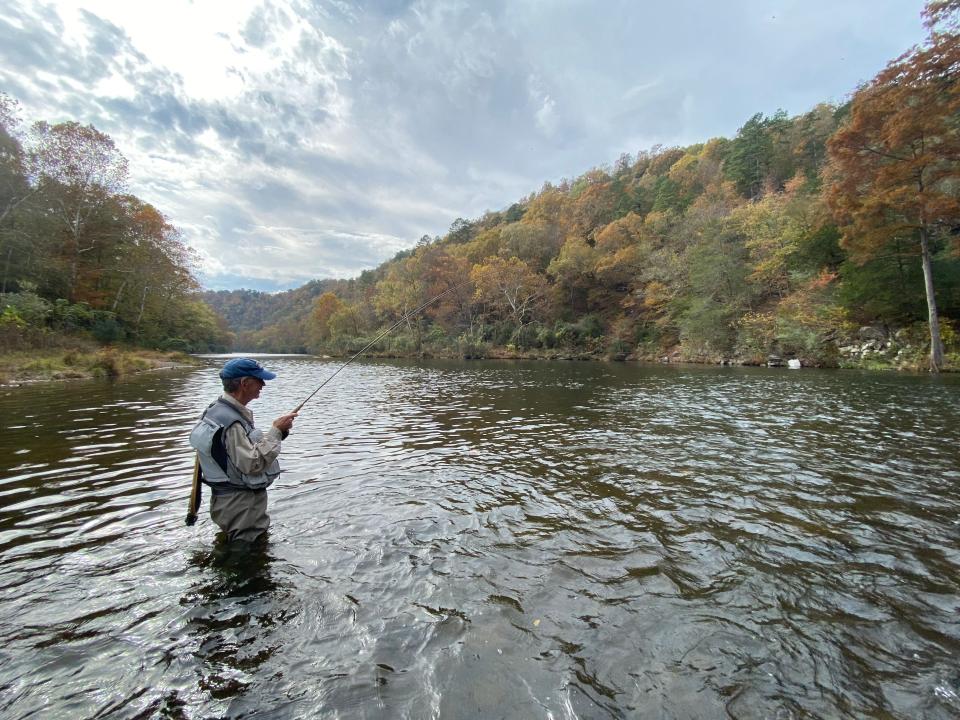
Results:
[292, 140]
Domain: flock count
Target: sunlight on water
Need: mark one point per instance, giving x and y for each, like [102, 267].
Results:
[464, 540]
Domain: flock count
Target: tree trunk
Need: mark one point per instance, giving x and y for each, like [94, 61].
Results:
[936, 346]
[6, 269]
[143, 302]
[116, 301]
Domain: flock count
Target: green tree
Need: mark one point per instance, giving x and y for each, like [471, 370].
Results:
[15, 189]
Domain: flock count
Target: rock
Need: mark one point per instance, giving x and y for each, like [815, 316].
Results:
[872, 332]
[774, 361]
[793, 364]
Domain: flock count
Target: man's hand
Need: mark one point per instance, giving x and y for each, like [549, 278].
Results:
[284, 423]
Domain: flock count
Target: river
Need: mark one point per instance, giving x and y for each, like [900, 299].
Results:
[491, 540]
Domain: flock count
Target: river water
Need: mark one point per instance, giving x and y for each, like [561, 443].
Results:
[491, 540]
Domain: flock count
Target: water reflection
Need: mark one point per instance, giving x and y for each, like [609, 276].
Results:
[492, 540]
[234, 611]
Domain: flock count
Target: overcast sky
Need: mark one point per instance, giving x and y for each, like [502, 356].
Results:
[293, 140]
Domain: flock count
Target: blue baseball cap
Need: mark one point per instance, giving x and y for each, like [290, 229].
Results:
[245, 367]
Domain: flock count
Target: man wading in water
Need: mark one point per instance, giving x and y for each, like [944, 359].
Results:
[237, 461]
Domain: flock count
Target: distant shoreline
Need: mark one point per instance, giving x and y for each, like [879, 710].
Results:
[916, 364]
[54, 365]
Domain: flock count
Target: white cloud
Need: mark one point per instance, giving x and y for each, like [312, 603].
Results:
[292, 140]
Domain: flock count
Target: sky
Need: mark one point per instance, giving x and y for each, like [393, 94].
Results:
[293, 140]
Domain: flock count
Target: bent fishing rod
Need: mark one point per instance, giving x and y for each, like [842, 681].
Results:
[382, 335]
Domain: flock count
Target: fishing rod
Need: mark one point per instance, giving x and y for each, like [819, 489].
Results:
[195, 493]
[373, 342]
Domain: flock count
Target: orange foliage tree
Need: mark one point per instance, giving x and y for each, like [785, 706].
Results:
[895, 166]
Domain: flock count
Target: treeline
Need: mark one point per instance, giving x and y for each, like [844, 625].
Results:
[274, 318]
[783, 240]
[80, 256]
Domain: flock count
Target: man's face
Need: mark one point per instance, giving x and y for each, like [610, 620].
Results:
[252, 387]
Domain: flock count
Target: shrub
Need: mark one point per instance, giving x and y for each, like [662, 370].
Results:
[471, 346]
[547, 338]
[69, 317]
[175, 344]
[756, 332]
[107, 364]
[30, 307]
[589, 326]
[524, 337]
[10, 318]
[106, 328]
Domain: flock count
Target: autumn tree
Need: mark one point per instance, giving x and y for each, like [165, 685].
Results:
[401, 291]
[14, 186]
[778, 229]
[895, 165]
[318, 325]
[536, 243]
[78, 169]
[620, 251]
[511, 287]
[447, 273]
[573, 271]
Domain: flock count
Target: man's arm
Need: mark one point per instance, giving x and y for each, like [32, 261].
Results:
[252, 458]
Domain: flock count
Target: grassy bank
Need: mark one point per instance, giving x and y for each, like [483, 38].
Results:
[78, 363]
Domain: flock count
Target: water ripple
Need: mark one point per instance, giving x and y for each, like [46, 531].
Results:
[476, 540]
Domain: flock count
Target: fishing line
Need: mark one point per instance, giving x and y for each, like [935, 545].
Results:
[194, 502]
[373, 342]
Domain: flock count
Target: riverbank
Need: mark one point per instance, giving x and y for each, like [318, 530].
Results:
[865, 357]
[874, 347]
[30, 366]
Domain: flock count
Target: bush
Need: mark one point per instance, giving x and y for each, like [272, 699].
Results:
[618, 347]
[403, 343]
[436, 338]
[501, 333]
[705, 329]
[756, 333]
[70, 317]
[30, 307]
[107, 364]
[106, 328]
[10, 318]
[547, 338]
[524, 337]
[470, 346]
[589, 326]
[176, 344]
[949, 335]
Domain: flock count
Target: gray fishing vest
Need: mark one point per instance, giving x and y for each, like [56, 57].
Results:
[207, 438]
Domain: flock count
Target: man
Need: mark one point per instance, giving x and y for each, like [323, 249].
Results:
[239, 462]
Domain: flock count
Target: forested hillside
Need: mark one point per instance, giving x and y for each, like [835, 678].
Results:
[80, 256]
[830, 236]
[246, 310]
